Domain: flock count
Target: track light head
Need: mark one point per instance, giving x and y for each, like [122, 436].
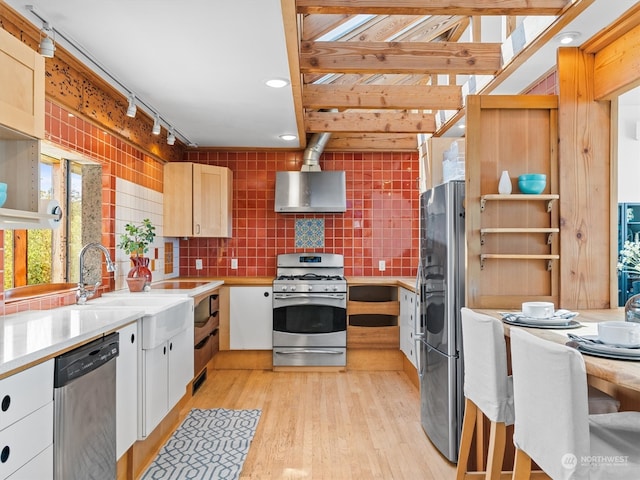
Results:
[156, 125]
[47, 44]
[171, 137]
[132, 109]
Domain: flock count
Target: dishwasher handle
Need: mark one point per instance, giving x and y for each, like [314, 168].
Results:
[85, 359]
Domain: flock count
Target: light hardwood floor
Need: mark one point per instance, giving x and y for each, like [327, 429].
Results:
[326, 425]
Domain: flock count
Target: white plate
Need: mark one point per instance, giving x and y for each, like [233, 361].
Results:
[595, 338]
[568, 324]
[551, 321]
[607, 351]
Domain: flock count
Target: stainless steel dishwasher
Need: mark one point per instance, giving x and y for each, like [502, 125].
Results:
[84, 402]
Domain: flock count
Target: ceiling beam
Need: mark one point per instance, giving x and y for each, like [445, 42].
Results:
[434, 7]
[400, 97]
[371, 142]
[370, 122]
[400, 57]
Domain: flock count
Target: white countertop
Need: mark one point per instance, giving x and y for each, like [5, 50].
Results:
[157, 290]
[30, 337]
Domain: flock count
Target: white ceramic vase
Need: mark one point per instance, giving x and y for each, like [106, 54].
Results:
[504, 185]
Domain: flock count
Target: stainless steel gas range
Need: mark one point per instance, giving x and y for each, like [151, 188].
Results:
[310, 310]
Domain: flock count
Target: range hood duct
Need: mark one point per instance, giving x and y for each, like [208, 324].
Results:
[311, 155]
[311, 190]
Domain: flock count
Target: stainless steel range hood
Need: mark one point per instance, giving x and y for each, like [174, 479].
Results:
[311, 190]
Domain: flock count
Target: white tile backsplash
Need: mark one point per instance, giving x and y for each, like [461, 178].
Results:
[134, 203]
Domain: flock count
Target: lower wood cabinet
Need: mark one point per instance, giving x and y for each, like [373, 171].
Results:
[372, 317]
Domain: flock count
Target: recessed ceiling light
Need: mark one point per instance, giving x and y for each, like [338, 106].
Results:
[277, 82]
[288, 137]
[565, 38]
[462, 126]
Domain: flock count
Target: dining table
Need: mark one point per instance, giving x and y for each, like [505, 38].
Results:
[621, 373]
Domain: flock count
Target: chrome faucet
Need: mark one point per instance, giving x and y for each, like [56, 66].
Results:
[82, 294]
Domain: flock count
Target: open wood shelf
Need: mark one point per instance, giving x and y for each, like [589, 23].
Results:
[547, 197]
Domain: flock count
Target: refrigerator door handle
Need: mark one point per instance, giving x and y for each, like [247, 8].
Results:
[418, 336]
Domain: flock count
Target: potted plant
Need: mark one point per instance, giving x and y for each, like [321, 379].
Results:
[135, 243]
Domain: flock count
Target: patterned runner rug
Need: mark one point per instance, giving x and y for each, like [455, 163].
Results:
[208, 445]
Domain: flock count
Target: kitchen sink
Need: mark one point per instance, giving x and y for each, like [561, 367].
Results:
[162, 317]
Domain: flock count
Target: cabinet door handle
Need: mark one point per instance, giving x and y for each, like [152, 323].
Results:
[266, 294]
[6, 402]
[197, 228]
[164, 350]
[133, 338]
[171, 346]
[4, 456]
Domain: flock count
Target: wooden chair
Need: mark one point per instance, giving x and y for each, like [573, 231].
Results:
[552, 422]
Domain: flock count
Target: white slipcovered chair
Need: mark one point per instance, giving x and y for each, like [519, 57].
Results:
[552, 422]
[487, 388]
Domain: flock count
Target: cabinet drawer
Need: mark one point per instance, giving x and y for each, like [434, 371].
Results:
[24, 392]
[214, 303]
[204, 330]
[39, 467]
[202, 353]
[25, 439]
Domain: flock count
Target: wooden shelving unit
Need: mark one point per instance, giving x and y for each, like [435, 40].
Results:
[513, 240]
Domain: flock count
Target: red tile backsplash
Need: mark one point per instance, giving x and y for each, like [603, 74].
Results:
[381, 221]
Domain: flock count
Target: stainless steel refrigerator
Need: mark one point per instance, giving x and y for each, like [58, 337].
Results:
[439, 331]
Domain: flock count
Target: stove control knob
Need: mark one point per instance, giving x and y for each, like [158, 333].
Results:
[310, 288]
[335, 288]
[293, 287]
[283, 288]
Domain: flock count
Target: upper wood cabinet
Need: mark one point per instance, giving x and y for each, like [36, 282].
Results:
[197, 200]
[22, 92]
[512, 240]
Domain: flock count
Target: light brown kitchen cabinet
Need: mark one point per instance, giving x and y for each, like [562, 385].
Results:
[372, 313]
[197, 200]
[22, 92]
[513, 240]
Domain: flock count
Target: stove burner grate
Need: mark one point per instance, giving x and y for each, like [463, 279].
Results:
[310, 276]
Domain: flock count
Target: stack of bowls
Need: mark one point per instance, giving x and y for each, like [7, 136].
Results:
[3, 193]
[533, 183]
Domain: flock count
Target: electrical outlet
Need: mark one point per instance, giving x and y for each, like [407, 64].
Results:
[198, 264]
[382, 265]
[234, 264]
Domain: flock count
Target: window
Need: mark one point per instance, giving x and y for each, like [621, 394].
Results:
[34, 257]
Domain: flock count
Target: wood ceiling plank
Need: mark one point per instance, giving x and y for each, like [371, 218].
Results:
[434, 7]
[400, 97]
[400, 57]
[370, 122]
[372, 142]
[314, 26]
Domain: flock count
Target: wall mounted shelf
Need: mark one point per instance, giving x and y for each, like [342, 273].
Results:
[547, 197]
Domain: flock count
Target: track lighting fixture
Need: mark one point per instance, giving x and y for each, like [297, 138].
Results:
[47, 44]
[171, 137]
[156, 125]
[132, 109]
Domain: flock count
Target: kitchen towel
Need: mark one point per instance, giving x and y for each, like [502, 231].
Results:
[208, 445]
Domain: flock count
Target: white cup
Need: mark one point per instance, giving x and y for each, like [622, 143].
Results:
[538, 309]
[626, 334]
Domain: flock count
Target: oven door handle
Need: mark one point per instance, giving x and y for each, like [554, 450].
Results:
[294, 352]
[293, 296]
